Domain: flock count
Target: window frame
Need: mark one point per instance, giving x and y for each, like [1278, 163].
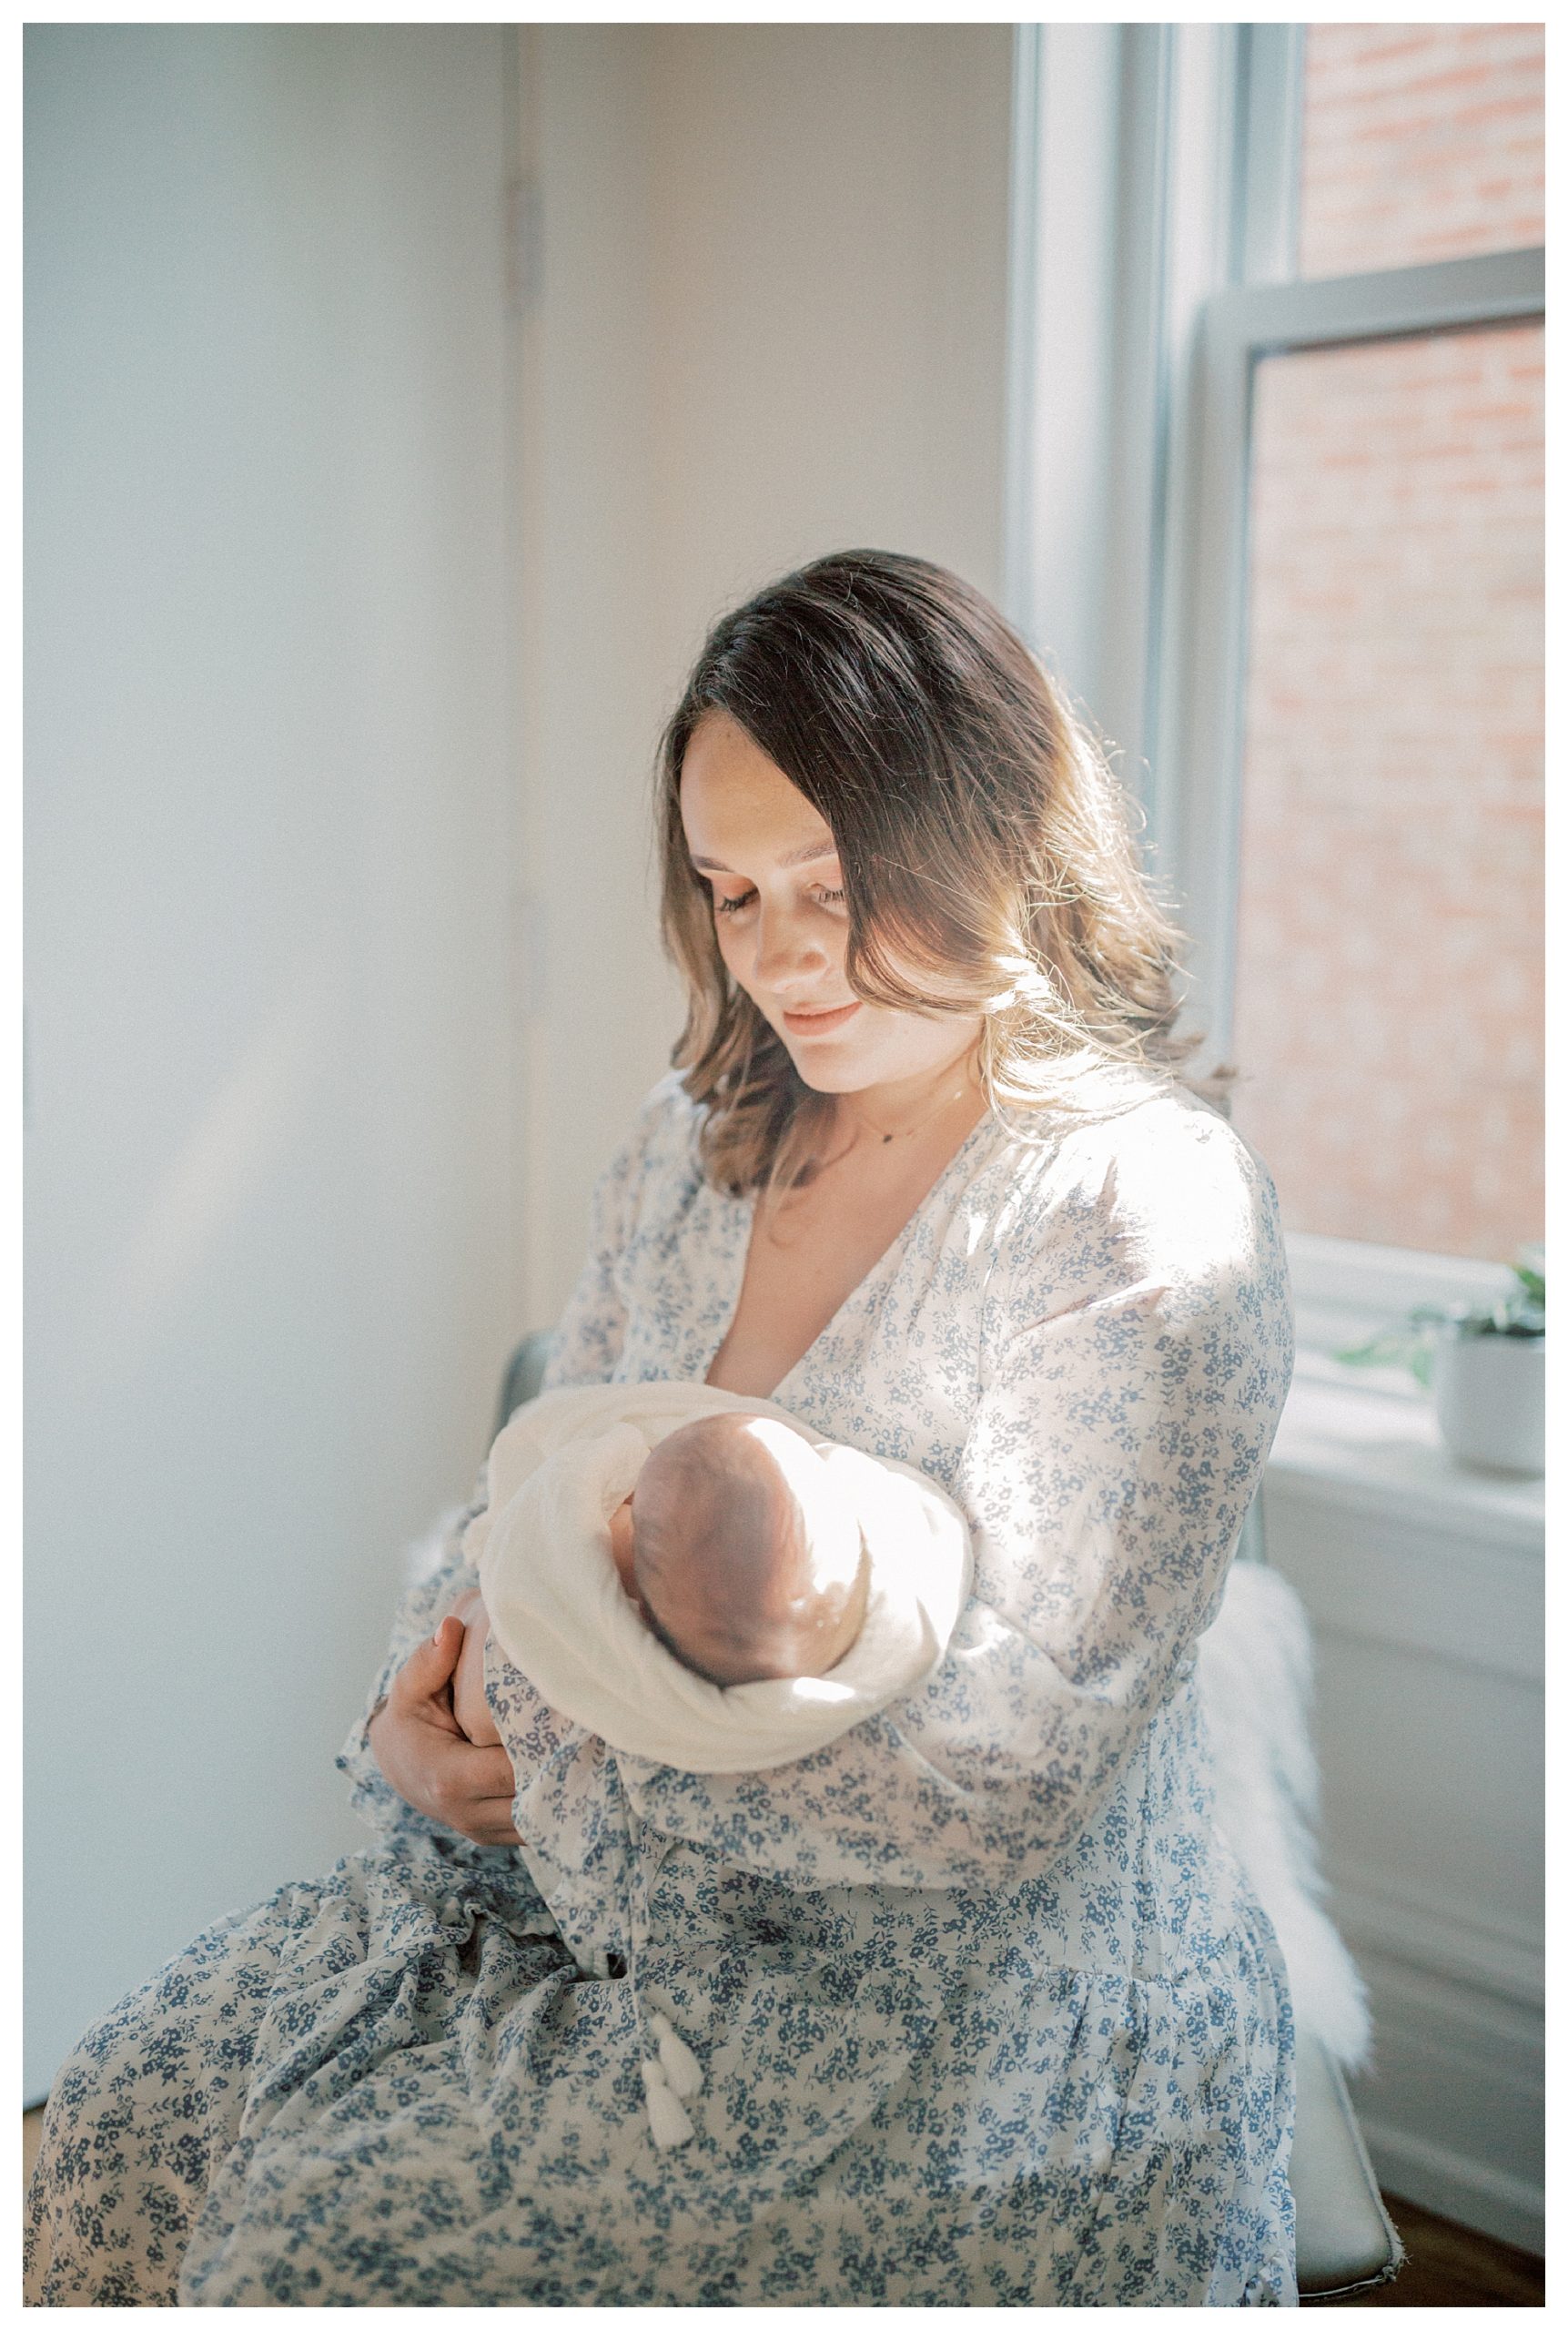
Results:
[1196, 805]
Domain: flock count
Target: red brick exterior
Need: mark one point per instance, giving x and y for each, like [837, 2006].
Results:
[1421, 142]
[1388, 977]
[1389, 1024]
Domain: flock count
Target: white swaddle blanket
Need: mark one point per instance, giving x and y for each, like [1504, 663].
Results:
[556, 1474]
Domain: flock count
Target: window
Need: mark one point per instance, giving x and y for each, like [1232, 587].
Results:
[1275, 512]
[1388, 1014]
[1351, 659]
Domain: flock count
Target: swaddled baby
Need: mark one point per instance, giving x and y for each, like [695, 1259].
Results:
[702, 1580]
[739, 1551]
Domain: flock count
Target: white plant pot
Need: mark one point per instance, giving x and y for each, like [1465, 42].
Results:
[1490, 1393]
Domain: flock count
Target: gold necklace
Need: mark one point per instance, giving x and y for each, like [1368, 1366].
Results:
[904, 1130]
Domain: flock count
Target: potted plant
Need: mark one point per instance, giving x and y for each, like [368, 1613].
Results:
[1486, 1367]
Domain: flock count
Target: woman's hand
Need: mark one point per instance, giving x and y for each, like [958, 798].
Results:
[425, 1755]
[469, 1704]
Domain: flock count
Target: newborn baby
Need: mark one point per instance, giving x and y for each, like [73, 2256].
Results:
[700, 1580]
[740, 1552]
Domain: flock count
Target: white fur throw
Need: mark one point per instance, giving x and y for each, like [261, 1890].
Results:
[1255, 1679]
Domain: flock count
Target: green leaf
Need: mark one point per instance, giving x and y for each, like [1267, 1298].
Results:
[1532, 1281]
[1397, 1349]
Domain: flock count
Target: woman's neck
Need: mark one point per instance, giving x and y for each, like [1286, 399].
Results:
[937, 1105]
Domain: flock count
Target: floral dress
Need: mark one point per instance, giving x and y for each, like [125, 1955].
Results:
[984, 2011]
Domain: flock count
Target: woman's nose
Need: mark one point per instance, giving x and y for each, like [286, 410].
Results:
[789, 954]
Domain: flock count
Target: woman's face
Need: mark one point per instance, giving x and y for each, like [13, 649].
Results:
[782, 925]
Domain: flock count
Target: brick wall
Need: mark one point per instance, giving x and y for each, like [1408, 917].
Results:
[1388, 979]
[1421, 142]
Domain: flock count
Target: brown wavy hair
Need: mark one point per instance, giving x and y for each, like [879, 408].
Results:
[989, 861]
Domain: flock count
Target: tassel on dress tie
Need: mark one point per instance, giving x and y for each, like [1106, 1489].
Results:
[668, 2083]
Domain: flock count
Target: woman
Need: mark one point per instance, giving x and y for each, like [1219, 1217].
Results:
[984, 2011]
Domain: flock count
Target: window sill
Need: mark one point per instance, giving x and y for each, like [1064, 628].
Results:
[1370, 1449]
[1346, 1290]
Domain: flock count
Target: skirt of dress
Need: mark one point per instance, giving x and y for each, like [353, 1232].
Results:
[381, 2089]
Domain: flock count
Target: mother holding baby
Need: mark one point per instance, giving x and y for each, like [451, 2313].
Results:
[969, 2005]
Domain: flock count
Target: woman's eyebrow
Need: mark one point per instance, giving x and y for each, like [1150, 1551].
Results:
[806, 856]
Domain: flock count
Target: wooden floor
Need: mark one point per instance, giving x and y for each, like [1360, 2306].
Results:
[1446, 2265]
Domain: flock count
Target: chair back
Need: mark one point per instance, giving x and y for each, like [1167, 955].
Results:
[524, 1374]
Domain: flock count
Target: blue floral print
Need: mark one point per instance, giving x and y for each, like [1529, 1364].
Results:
[984, 2011]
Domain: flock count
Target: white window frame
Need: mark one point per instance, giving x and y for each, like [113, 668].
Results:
[1203, 670]
[1156, 169]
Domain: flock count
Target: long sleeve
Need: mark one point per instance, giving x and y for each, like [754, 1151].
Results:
[1137, 1356]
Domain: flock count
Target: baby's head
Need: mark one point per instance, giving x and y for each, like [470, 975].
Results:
[747, 1553]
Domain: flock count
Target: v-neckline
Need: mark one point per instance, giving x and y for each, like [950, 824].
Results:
[887, 1262]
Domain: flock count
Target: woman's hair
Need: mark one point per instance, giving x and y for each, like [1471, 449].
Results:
[988, 861]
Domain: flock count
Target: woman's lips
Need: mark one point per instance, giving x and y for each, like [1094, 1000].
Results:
[819, 1023]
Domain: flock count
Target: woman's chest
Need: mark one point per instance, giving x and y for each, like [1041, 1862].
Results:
[804, 1260]
[875, 1339]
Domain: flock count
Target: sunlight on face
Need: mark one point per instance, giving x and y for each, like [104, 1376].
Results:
[782, 925]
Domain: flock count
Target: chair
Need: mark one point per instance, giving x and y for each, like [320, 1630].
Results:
[1345, 2240]
[524, 1374]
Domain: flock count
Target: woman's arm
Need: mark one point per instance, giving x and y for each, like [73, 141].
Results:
[1134, 1375]
[418, 1774]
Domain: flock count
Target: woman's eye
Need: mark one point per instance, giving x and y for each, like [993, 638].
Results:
[734, 906]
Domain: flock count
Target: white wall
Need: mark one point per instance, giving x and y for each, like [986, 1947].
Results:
[589, 701]
[770, 323]
[343, 977]
[269, 1277]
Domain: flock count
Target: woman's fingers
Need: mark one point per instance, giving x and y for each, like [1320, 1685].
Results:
[493, 1823]
[469, 1783]
[428, 1759]
[428, 1669]
[484, 1820]
[440, 1655]
[488, 1772]
[444, 1774]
